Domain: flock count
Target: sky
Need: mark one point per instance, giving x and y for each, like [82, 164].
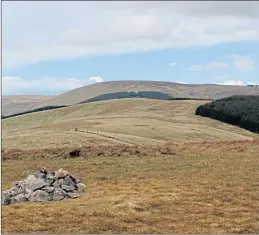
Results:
[51, 47]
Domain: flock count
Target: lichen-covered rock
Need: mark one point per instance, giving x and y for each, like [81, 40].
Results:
[56, 184]
[48, 189]
[16, 190]
[69, 180]
[40, 196]
[30, 178]
[78, 180]
[18, 198]
[6, 197]
[68, 188]
[58, 194]
[51, 178]
[39, 175]
[73, 195]
[81, 188]
[37, 184]
[49, 172]
[62, 182]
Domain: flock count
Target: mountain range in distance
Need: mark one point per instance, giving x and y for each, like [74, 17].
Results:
[12, 104]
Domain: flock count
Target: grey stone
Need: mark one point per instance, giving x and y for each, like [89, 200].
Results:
[68, 187]
[14, 192]
[48, 189]
[31, 179]
[6, 197]
[39, 175]
[49, 182]
[17, 189]
[62, 182]
[78, 180]
[81, 188]
[27, 195]
[56, 184]
[28, 191]
[44, 186]
[51, 177]
[31, 196]
[37, 184]
[40, 196]
[18, 198]
[18, 184]
[58, 194]
[69, 180]
[73, 195]
[51, 172]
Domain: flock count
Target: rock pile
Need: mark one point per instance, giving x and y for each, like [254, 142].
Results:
[44, 185]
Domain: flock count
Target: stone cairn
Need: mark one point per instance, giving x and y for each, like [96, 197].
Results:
[44, 185]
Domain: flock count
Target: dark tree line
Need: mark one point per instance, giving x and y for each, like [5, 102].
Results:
[140, 94]
[242, 111]
[33, 111]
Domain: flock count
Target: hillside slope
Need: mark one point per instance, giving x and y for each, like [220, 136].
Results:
[169, 88]
[101, 89]
[12, 104]
[125, 121]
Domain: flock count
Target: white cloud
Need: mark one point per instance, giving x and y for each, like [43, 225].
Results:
[181, 82]
[73, 29]
[96, 79]
[243, 63]
[211, 66]
[237, 83]
[18, 85]
[172, 64]
[234, 83]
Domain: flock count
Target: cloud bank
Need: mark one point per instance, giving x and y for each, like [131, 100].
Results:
[54, 30]
[18, 85]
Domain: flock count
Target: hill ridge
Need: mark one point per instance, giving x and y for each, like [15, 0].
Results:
[176, 90]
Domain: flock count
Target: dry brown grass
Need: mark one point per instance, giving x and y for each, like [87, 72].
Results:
[205, 187]
[126, 121]
[150, 167]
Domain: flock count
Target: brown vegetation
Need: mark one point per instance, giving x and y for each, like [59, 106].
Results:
[205, 187]
[149, 166]
[130, 122]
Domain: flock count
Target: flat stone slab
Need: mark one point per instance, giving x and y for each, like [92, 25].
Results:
[37, 184]
[68, 188]
[73, 195]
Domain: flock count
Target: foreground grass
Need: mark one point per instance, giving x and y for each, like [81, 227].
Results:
[189, 188]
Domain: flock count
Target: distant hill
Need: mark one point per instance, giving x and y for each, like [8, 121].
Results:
[33, 111]
[12, 104]
[176, 90]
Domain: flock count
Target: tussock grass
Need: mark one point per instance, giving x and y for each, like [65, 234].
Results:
[205, 187]
[113, 122]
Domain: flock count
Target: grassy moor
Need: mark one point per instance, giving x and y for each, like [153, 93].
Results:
[150, 166]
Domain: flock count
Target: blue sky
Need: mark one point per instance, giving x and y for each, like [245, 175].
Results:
[153, 41]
